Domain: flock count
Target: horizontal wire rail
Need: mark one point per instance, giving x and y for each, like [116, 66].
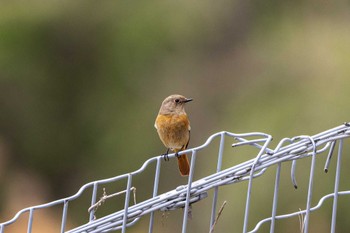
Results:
[287, 150]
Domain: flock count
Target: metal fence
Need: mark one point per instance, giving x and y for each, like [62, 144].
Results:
[287, 150]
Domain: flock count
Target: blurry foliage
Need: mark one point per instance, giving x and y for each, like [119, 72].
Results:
[81, 84]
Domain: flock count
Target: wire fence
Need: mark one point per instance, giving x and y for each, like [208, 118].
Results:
[287, 150]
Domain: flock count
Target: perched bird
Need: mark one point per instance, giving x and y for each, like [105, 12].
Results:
[173, 128]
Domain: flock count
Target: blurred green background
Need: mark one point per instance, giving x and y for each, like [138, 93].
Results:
[81, 83]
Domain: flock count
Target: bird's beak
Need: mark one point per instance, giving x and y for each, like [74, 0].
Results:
[187, 100]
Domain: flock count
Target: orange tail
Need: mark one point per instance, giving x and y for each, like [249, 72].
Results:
[184, 165]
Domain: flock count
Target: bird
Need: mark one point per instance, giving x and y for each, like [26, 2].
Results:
[173, 127]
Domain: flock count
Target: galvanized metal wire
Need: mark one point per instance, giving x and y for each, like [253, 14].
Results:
[288, 150]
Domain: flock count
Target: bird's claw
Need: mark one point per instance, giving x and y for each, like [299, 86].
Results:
[165, 157]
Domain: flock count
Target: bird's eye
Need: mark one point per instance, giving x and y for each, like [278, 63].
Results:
[177, 101]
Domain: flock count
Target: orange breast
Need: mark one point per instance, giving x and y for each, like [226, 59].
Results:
[173, 130]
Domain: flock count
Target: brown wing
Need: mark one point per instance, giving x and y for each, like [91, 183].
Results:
[189, 137]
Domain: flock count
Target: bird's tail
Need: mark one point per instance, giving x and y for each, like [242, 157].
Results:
[184, 165]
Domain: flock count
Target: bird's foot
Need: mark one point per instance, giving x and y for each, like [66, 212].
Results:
[166, 157]
[177, 155]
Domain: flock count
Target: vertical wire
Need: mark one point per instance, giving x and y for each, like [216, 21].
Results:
[30, 223]
[275, 198]
[155, 191]
[216, 189]
[336, 187]
[126, 204]
[292, 174]
[247, 204]
[309, 195]
[188, 192]
[330, 153]
[64, 216]
[93, 201]
[250, 184]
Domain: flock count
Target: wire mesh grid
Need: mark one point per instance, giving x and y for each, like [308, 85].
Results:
[287, 150]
